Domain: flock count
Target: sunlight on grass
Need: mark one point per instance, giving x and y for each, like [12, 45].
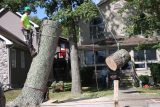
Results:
[152, 90]
[149, 90]
[88, 93]
[12, 94]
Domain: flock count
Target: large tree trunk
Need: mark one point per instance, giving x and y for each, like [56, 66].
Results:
[35, 86]
[118, 59]
[76, 83]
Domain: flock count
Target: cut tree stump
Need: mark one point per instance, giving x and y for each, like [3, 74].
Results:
[118, 59]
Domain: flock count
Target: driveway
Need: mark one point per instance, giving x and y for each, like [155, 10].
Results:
[127, 98]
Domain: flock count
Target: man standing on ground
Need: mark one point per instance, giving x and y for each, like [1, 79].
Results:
[27, 31]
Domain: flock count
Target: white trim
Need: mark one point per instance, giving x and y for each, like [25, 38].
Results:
[9, 67]
[8, 42]
[1, 10]
[34, 25]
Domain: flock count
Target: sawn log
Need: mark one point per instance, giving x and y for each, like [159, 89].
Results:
[118, 59]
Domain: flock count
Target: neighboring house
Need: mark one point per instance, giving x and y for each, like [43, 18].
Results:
[15, 57]
[105, 35]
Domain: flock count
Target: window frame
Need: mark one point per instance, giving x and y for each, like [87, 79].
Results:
[97, 28]
[13, 58]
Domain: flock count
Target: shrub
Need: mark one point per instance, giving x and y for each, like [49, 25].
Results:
[155, 72]
[86, 76]
[57, 87]
[144, 79]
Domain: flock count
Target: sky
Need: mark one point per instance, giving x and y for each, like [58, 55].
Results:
[41, 12]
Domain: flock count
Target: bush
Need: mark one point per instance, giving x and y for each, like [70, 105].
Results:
[57, 86]
[86, 76]
[155, 72]
[144, 79]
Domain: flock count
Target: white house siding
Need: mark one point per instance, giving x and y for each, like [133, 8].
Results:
[4, 63]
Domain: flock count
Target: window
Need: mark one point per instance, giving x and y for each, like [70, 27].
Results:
[13, 58]
[139, 55]
[151, 54]
[89, 57]
[100, 56]
[144, 55]
[141, 65]
[97, 28]
[22, 59]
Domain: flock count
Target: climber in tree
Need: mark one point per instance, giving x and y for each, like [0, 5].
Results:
[27, 30]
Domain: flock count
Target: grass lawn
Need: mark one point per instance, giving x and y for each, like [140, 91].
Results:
[12, 94]
[87, 93]
[60, 96]
[151, 90]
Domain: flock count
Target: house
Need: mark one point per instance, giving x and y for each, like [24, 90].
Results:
[105, 34]
[15, 57]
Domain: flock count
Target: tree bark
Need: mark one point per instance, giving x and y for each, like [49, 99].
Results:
[118, 59]
[36, 83]
[76, 83]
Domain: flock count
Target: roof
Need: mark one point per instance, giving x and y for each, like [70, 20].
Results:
[11, 37]
[123, 41]
[10, 29]
[19, 14]
[140, 40]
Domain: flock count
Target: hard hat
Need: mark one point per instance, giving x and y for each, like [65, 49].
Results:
[27, 9]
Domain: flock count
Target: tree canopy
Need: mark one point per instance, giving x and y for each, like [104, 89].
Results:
[146, 17]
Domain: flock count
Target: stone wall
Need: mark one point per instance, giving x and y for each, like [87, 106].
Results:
[115, 22]
[4, 67]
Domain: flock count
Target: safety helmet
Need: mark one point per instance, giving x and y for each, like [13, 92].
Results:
[27, 9]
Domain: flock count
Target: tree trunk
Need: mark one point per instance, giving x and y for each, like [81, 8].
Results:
[118, 59]
[76, 83]
[36, 83]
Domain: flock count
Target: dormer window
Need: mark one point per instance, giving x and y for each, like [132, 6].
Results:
[97, 28]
